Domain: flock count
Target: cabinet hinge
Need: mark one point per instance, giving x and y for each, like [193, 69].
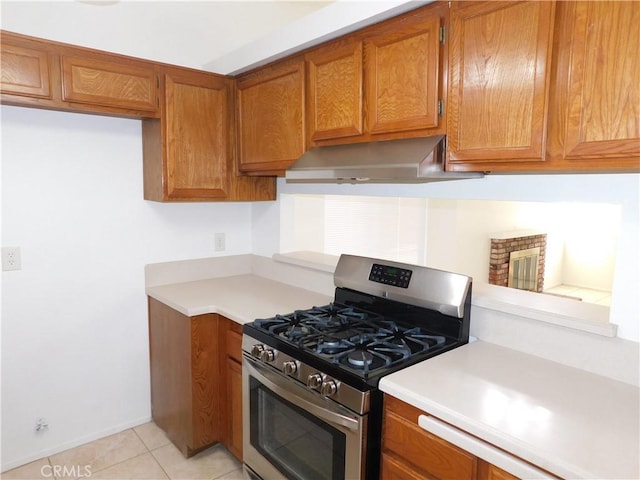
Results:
[442, 35]
[440, 107]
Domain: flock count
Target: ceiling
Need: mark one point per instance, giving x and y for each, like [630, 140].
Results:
[219, 36]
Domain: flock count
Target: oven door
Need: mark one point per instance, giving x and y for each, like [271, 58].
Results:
[291, 432]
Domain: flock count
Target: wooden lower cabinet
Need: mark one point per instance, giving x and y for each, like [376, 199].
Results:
[232, 393]
[184, 377]
[411, 453]
[196, 379]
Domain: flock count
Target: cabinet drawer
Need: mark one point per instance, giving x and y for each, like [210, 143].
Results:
[112, 84]
[234, 341]
[426, 452]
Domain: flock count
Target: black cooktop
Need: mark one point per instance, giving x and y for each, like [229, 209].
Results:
[360, 337]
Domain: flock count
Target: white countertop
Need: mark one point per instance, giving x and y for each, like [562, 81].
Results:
[569, 422]
[241, 298]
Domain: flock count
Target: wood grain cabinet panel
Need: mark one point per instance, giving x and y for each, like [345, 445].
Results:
[486, 471]
[25, 71]
[188, 153]
[402, 72]
[185, 367]
[411, 453]
[197, 142]
[596, 119]
[334, 91]
[500, 59]
[424, 452]
[270, 106]
[234, 411]
[231, 401]
[110, 83]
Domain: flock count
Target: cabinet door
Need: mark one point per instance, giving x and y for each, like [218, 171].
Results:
[498, 81]
[109, 83]
[196, 136]
[271, 118]
[402, 72]
[419, 449]
[486, 471]
[25, 71]
[334, 93]
[599, 84]
[189, 153]
[393, 469]
[234, 412]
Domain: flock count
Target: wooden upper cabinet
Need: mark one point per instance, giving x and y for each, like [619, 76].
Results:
[44, 74]
[117, 84]
[187, 152]
[25, 71]
[197, 140]
[500, 59]
[334, 90]
[402, 75]
[595, 122]
[379, 83]
[270, 108]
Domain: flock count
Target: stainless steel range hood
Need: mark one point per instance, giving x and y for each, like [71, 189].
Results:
[411, 160]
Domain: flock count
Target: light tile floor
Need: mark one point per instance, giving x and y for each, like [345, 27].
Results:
[140, 453]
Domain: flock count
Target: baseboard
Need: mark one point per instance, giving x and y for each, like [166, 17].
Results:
[73, 443]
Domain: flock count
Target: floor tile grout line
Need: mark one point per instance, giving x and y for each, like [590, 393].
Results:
[141, 439]
[114, 464]
[158, 462]
[150, 451]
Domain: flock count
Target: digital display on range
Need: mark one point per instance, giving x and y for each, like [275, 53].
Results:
[397, 277]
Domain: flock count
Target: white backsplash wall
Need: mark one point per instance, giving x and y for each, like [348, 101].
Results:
[618, 189]
[74, 319]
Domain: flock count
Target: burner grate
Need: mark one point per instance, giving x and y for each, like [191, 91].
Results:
[351, 338]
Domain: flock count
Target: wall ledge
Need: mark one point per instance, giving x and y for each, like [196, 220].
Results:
[564, 312]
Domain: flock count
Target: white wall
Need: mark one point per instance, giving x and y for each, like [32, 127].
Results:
[618, 189]
[184, 32]
[74, 321]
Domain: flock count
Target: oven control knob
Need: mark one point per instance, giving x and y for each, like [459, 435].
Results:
[289, 367]
[328, 388]
[314, 381]
[256, 350]
[267, 355]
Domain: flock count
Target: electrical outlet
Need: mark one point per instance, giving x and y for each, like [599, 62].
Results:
[220, 241]
[11, 259]
[41, 425]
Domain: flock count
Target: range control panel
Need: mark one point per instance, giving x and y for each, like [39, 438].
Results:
[397, 277]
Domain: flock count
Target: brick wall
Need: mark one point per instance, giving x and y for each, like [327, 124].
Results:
[501, 250]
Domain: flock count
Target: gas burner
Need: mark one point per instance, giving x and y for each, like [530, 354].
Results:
[335, 315]
[352, 338]
[332, 345]
[360, 358]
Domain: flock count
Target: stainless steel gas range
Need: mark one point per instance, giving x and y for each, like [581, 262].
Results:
[311, 406]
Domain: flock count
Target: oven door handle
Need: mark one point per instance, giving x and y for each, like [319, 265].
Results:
[282, 387]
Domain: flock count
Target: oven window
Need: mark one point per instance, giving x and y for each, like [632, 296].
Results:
[298, 444]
